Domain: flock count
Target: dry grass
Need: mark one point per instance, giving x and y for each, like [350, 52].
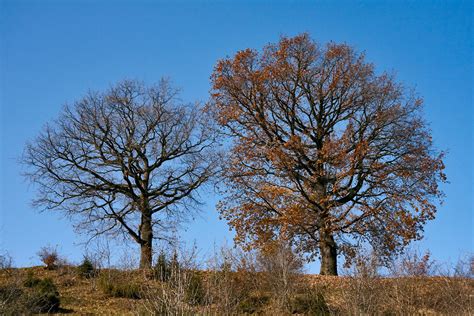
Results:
[79, 296]
[347, 295]
[411, 295]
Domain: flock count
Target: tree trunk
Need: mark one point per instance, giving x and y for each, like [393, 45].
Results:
[328, 249]
[146, 244]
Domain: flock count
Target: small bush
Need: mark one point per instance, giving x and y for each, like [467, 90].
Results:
[5, 261]
[31, 280]
[162, 271]
[281, 266]
[36, 296]
[86, 269]
[10, 300]
[43, 297]
[115, 285]
[415, 264]
[49, 256]
[253, 304]
[309, 304]
[174, 266]
[195, 293]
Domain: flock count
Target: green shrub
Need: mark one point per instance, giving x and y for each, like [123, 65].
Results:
[162, 270]
[43, 297]
[11, 300]
[31, 280]
[86, 269]
[174, 266]
[309, 304]
[253, 304]
[195, 293]
[38, 296]
[115, 285]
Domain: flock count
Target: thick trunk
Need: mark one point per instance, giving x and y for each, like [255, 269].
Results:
[328, 250]
[146, 244]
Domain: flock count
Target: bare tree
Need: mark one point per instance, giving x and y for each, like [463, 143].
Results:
[129, 160]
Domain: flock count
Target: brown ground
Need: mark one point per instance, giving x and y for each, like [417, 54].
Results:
[81, 296]
[78, 296]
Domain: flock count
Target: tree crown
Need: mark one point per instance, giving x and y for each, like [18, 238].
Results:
[323, 144]
[112, 157]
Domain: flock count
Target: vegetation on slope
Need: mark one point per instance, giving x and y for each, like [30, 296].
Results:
[238, 283]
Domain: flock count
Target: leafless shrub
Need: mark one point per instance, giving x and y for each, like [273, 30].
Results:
[10, 299]
[127, 261]
[464, 267]
[179, 292]
[49, 256]
[365, 289]
[6, 260]
[413, 263]
[282, 269]
[414, 286]
[453, 289]
[233, 280]
[172, 297]
[11, 293]
[229, 284]
[452, 294]
[409, 282]
[98, 251]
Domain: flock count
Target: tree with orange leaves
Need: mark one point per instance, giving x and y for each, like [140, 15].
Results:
[325, 152]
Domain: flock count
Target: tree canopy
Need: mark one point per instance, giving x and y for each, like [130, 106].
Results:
[326, 152]
[129, 160]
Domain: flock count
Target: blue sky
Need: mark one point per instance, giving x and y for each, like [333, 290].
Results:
[52, 52]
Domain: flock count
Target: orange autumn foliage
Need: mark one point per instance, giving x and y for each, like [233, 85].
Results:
[323, 149]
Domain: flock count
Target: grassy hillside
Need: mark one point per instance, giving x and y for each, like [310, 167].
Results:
[234, 292]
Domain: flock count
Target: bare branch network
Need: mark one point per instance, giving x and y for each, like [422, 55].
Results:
[321, 152]
[128, 160]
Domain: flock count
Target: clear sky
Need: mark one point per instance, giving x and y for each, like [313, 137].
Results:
[52, 52]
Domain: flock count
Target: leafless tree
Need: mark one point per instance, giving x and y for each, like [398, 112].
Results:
[130, 160]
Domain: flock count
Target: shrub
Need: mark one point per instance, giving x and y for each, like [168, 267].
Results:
[223, 289]
[10, 300]
[416, 264]
[31, 280]
[49, 256]
[174, 297]
[195, 293]
[230, 280]
[116, 285]
[174, 265]
[162, 270]
[37, 296]
[281, 267]
[253, 304]
[43, 297]
[86, 269]
[5, 261]
[309, 304]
